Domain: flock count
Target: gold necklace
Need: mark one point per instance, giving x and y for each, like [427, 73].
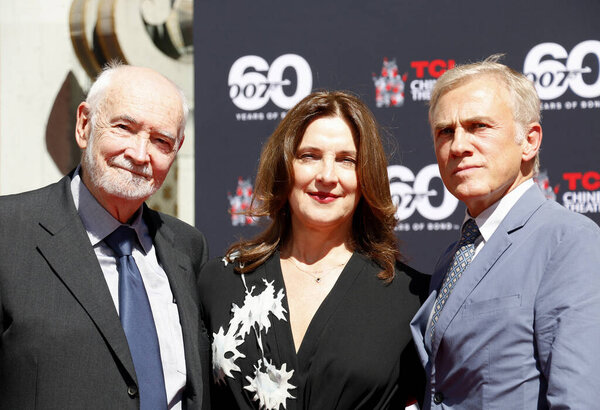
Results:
[317, 275]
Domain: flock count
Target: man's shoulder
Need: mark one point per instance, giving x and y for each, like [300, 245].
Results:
[555, 215]
[179, 227]
[533, 211]
[182, 235]
[31, 201]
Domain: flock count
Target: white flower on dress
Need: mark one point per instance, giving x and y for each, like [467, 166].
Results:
[256, 310]
[224, 351]
[270, 385]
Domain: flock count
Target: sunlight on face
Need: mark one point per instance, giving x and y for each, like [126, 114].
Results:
[475, 143]
[132, 141]
[325, 191]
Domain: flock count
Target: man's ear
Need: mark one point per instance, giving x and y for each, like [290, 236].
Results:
[83, 127]
[181, 142]
[532, 141]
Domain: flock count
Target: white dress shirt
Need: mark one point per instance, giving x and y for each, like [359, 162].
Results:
[489, 220]
[99, 223]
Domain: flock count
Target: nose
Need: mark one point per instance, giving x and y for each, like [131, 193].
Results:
[138, 150]
[461, 143]
[327, 174]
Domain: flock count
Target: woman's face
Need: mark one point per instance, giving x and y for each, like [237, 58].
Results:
[325, 191]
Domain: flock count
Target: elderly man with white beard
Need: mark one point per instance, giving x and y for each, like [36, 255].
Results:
[98, 307]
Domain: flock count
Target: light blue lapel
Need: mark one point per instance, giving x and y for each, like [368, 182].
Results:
[500, 241]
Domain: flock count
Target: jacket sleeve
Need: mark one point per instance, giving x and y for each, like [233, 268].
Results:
[567, 320]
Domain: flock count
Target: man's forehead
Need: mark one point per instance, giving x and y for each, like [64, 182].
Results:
[475, 96]
[144, 93]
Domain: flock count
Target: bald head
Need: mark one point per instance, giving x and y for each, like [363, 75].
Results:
[117, 78]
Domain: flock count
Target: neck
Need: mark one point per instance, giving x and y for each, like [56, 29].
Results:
[120, 208]
[478, 205]
[311, 246]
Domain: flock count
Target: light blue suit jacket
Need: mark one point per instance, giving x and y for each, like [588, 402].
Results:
[521, 329]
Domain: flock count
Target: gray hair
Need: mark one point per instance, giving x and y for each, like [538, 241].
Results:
[525, 102]
[97, 93]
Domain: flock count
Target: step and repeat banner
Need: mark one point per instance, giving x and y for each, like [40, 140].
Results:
[255, 60]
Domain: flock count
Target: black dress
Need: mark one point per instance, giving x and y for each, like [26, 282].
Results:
[357, 352]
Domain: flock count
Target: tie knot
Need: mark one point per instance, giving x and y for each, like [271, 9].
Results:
[470, 232]
[121, 240]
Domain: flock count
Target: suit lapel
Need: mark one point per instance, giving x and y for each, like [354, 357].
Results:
[67, 249]
[180, 273]
[500, 241]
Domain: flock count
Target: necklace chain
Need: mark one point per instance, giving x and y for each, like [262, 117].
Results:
[316, 274]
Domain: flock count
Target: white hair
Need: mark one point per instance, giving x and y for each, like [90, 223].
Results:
[97, 94]
[524, 100]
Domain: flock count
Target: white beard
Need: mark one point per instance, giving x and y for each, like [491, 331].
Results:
[116, 181]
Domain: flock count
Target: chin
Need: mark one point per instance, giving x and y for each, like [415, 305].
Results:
[129, 189]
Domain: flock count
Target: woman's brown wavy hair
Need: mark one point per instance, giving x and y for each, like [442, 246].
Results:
[374, 218]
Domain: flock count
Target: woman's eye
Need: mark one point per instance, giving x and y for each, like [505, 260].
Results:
[308, 156]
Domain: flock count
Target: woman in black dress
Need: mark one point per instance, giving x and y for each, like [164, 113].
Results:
[314, 312]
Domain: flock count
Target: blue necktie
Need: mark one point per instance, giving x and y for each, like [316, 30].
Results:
[462, 257]
[138, 322]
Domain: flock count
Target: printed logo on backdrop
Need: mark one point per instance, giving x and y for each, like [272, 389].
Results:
[390, 85]
[555, 71]
[241, 202]
[543, 181]
[426, 74]
[254, 83]
[582, 192]
[423, 196]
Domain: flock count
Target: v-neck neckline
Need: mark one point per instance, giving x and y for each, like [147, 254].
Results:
[323, 314]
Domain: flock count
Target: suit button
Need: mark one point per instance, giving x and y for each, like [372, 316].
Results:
[438, 398]
[132, 391]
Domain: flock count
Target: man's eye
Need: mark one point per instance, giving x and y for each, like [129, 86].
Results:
[165, 144]
[124, 127]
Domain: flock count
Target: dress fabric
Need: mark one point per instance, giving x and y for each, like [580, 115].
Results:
[357, 352]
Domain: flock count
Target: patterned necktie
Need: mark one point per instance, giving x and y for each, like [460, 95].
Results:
[138, 322]
[462, 257]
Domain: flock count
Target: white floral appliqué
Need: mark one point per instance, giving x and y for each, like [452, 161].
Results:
[256, 310]
[224, 350]
[270, 385]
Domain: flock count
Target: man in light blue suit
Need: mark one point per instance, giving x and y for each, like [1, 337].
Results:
[513, 318]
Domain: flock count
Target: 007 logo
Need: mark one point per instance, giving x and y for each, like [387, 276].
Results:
[253, 82]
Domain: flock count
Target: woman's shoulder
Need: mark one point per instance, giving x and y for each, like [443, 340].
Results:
[221, 271]
[417, 283]
[216, 270]
[220, 263]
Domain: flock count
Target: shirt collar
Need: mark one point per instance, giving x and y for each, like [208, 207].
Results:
[489, 220]
[97, 221]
